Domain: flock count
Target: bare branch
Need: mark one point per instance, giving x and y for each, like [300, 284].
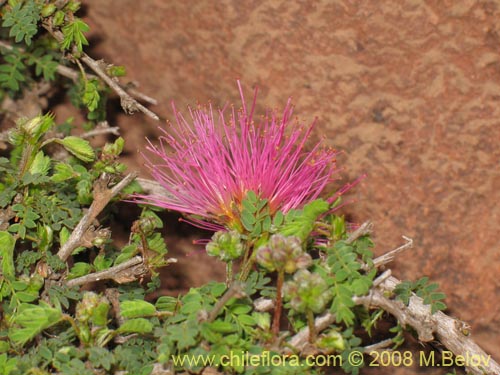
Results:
[102, 196]
[108, 274]
[452, 333]
[384, 344]
[301, 339]
[102, 128]
[129, 104]
[364, 229]
[235, 290]
[389, 256]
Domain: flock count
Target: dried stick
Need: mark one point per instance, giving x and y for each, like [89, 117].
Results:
[389, 256]
[451, 332]
[299, 341]
[108, 274]
[235, 290]
[102, 196]
[365, 228]
[102, 128]
[129, 104]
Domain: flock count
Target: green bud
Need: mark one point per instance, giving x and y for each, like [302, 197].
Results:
[332, 340]
[31, 127]
[225, 245]
[48, 10]
[117, 71]
[283, 253]
[262, 319]
[85, 309]
[73, 6]
[307, 291]
[58, 19]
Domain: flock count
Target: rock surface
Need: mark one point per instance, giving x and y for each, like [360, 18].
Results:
[410, 90]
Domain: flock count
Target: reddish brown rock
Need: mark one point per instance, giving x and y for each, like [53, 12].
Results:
[410, 90]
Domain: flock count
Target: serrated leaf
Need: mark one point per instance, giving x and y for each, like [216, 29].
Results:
[63, 172]
[79, 147]
[136, 308]
[138, 325]
[40, 164]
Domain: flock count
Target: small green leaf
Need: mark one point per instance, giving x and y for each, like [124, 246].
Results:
[73, 34]
[33, 320]
[78, 147]
[222, 327]
[136, 308]
[79, 269]
[40, 164]
[139, 325]
[166, 303]
[91, 95]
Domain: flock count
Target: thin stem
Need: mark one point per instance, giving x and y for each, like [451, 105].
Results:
[310, 324]
[247, 263]
[279, 304]
[229, 273]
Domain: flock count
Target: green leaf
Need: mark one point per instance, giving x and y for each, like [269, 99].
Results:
[33, 320]
[91, 94]
[101, 357]
[73, 35]
[166, 303]
[27, 296]
[40, 164]
[139, 325]
[300, 223]
[100, 314]
[63, 172]
[7, 244]
[136, 308]
[78, 147]
[246, 320]
[222, 327]
[79, 269]
[46, 66]
[12, 73]
[7, 365]
[22, 19]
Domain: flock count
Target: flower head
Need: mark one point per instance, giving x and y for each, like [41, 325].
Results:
[209, 162]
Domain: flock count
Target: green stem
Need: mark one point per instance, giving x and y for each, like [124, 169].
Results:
[229, 273]
[247, 264]
[279, 304]
[310, 324]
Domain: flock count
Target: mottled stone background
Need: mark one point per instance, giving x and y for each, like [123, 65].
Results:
[409, 89]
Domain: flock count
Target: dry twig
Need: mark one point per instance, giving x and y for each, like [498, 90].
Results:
[102, 196]
[110, 273]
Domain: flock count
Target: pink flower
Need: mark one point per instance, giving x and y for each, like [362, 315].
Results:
[209, 162]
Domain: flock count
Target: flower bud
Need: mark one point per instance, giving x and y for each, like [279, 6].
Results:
[307, 291]
[283, 254]
[225, 245]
